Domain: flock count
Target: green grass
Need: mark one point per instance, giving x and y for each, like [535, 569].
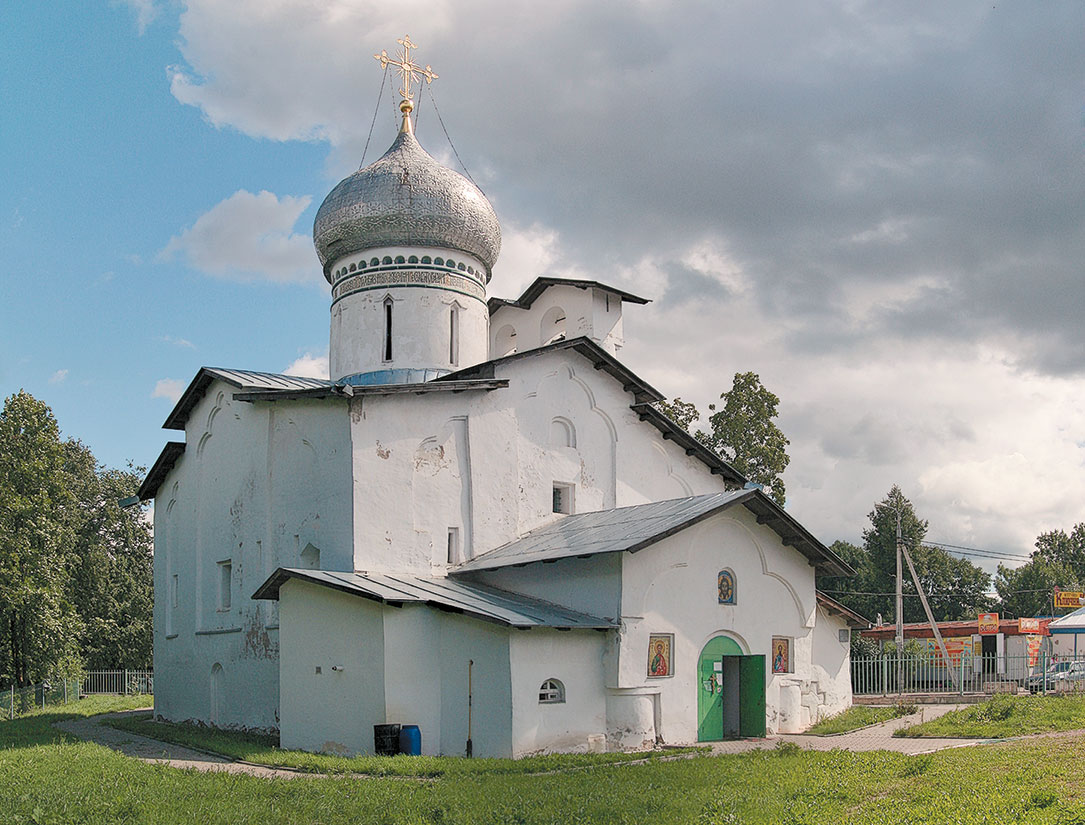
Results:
[47, 778]
[1005, 715]
[264, 750]
[857, 717]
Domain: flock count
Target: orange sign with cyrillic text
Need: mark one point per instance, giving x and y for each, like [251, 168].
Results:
[988, 624]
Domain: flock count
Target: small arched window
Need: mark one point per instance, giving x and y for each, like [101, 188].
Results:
[387, 259]
[387, 348]
[400, 259]
[552, 327]
[426, 259]
[551, 692]
[413, 259]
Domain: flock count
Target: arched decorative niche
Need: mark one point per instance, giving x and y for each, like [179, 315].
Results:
[552, 327]
[505, 341]
[562, 432]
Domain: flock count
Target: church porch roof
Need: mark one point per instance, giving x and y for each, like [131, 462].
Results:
[633, 528]
[451, 595]
[852, 618]
[243, 380]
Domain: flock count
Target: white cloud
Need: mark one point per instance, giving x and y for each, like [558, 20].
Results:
[169, 388]
[309, 366]
[820, 199]
[58, 376]
[248, 237]
[184, 343]
[145, 10]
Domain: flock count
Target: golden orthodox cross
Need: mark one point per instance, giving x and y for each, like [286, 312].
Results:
[408, 70]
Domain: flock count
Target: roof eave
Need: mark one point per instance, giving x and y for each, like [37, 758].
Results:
[162, 466]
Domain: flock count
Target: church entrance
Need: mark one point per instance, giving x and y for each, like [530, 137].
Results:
[730, 692]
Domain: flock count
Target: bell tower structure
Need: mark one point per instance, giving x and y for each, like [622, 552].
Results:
[408, 246]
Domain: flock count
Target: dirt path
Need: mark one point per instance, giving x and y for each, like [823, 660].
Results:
[94, 729]
[876, 737]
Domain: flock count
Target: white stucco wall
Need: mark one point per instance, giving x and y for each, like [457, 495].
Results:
[590, 312]
[575, 658]
[332, 711]
[256, 484]
[670, 587]
[400, 665]
[485, 463]
[830, 668]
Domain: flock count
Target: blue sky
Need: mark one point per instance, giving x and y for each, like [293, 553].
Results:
[101, 168]
[876, 206]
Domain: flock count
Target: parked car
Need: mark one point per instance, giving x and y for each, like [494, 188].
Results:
[1055, 672]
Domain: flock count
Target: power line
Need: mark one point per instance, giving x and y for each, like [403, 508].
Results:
[976, 551]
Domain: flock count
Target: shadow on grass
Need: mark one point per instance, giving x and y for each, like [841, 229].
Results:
[36, 728]
[264, 750]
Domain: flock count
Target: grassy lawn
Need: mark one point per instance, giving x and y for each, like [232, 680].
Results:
[1005, 715]
[46, 777]
[264, 750]
[859, 716]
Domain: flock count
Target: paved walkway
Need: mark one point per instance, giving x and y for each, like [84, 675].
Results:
[876, 737]
[152, 750]
[873, 738]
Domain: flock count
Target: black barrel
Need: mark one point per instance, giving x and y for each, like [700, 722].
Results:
[386, 740]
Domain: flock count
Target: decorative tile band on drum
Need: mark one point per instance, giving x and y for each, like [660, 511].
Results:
[416, 277]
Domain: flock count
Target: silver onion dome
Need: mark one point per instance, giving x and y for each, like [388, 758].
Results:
[406, 198]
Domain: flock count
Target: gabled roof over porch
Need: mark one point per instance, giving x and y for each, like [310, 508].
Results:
[634, 528]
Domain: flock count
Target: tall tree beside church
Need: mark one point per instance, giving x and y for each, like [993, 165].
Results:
[111, 565]
[955, 588]
[743, 432]
[39, 628]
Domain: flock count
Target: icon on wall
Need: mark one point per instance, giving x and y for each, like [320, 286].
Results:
[725, 586]
[660, 652]
[781, 655]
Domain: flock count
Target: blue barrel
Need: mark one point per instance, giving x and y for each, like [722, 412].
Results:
[410, 740]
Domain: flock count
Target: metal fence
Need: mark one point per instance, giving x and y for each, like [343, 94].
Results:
[912, 674]
[124, 682]
[16, 701]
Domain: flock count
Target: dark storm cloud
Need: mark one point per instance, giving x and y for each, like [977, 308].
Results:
[890, 145]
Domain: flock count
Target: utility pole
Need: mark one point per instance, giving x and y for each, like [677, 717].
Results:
[900, 613]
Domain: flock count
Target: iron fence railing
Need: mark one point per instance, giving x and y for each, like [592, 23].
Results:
[15, 701]
[124, 682]
[912, 674]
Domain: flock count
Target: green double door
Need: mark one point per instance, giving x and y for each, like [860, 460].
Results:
[730, 692]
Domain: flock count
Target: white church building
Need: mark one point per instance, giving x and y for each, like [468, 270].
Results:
[479, 525]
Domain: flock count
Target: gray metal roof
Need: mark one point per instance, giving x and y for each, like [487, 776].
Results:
[242, 379]
[634, 528]
[478, 600]
[1071, 622]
